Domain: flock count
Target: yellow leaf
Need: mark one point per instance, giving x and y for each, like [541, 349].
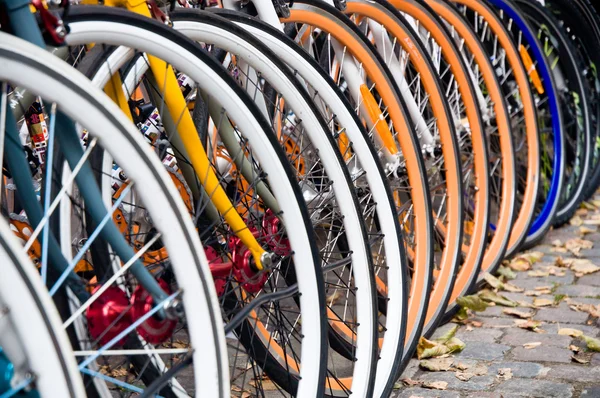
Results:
[542, 302]
[592, 343]
[570, 332]
[488, 295]
[474, 303]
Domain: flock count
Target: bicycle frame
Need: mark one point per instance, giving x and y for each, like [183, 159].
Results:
[24, 25]
[175, 102]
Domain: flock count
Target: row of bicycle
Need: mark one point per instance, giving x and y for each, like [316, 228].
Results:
[273, 199]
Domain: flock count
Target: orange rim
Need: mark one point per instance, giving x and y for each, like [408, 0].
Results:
[504, 220]
[521, 224]
[446, 132]
[410, 152]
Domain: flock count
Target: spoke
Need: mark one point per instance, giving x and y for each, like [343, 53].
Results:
[90, 240]
[108, 283]
[49, 169]
[67, 185]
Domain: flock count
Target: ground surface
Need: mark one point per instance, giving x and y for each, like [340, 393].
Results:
[547, 370]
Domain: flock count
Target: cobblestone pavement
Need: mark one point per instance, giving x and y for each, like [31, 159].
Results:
[547, 370]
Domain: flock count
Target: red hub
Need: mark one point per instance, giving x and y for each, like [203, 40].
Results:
[220, 271]
[108, 315]
[251, 280]
[272, 234]
[153, 330]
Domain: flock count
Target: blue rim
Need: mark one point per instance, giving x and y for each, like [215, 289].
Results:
[553, 196]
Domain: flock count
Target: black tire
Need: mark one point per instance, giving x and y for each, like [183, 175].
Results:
[570, 64]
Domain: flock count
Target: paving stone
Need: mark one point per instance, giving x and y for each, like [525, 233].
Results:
[425, 393]
[482, 394]
[552, 328]
[590, 280]
[534, 388]
[580, 373]
[491, 311]
[518, 337]
[595, 361]
[590, 392]
[542, 354]
[530, 283]
[486, 335]
[519, 369]
[584, 300]
[477, 383]
[495, 322]
[578, 290]
[561, 315]
[411, 369]
[483, 351]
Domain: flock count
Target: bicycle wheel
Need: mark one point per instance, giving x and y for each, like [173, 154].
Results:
[323, 26]
[35, 355]
[66, 90]
[437, 114]
[337, 283]
[549, 118]
[519, 99]
[574, 93]
[582, 22]
[374, 195]
[262, 344]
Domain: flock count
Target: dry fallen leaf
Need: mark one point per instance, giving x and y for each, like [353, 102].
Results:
[505, 373]
[574, 348]
[509, 287]
[446, 344]
[576, 220]
[560, 262]
[520, 314]
[435, 385]
[520, 264]
[436, 364]
[559, 249]
[570, 332]
[528, 324]
[411, 382]
[537, 293]
[581, 358]
[584, 267]
[587, 205]
[542, 288]
[467, 372]
[593, 310]
[506, 272]
[542, 302]
[592, 222]
[583, 230]
[557, 242]
[493, 281]
[473, 302]
[529, 346]
[488, 295]
[575, 245]
[525, 304]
